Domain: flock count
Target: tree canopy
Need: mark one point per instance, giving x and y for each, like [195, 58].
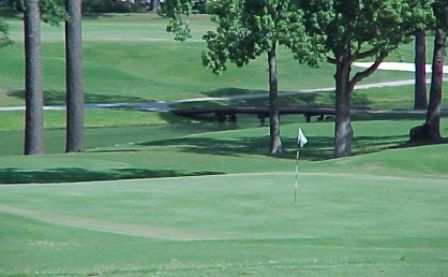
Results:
[51, 11]
[350, 30]
[248, 28]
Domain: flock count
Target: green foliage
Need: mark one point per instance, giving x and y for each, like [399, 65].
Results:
[362, 29]
[248, 28]
[440, 8]
[109, 6]
[175, 10]
[52, 11]
[4, 35]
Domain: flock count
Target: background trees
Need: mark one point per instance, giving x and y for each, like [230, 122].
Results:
[250, 28]
[246, 30]
[430, 130]
[4, 36]
[33, 10]
[353, 30]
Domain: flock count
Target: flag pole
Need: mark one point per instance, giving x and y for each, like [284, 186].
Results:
[297, 176]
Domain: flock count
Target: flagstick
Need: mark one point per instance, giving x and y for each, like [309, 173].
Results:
[297, 176]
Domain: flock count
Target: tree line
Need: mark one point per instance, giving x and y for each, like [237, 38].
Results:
[52, 12]
[339, 32]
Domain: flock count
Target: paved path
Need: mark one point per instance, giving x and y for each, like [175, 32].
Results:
[162, 106]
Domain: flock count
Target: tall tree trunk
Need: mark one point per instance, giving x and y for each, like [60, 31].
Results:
[435, 96]
[420, 99]
[274, 128]
[154, 5]
[74, 78]
[343, 127]
[34, 124]
[430, 131]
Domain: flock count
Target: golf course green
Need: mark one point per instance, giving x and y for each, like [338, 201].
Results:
[155, 194]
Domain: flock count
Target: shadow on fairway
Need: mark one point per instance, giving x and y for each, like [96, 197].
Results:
[318, 148]
[59, 175]
[308, 99]
[54, 97]
[233, 91]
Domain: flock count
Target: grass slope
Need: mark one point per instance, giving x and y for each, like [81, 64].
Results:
[198, 149]
[342, 225]
[131, 58]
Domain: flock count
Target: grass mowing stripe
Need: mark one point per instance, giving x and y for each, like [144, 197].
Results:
[102, 226]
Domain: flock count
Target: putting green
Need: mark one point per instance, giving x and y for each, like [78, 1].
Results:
[346, 223]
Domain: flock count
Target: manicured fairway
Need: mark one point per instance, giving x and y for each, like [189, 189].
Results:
[159, 195]
[344, 224]
[130, 58]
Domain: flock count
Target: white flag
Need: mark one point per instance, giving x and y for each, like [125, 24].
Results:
[301, 139]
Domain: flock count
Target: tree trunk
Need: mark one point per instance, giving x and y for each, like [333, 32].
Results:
[274, 128]
[430, 131]
[343, 127]
[74, 78]
[34, 124]
[154, 5]
[420, 100]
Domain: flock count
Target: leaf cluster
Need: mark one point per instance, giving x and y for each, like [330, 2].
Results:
[440, 8]
[248, 28]
[52, 11]
[4, 36]
[175, 10]
[363, 28]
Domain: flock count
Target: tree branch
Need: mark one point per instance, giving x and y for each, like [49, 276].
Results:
[366, 54]
[366, 73]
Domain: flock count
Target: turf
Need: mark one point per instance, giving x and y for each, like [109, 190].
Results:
[138, 54]
[197, 149]
[227, 207]
[349, 224]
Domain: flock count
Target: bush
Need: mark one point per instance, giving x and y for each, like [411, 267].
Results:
[110, 6]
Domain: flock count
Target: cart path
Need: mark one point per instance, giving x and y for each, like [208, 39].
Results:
[165, 106]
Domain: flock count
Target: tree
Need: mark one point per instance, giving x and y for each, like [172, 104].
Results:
[4, 35]
[349, 30]
[246, 30]
[34, 122]
[154, 5]
[430, 130]
[33, 11]
[420, 99]
[74, 78]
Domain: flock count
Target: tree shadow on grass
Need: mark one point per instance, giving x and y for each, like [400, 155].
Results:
[60, 175]
[318, 147]
[55, 97]
[233, 91]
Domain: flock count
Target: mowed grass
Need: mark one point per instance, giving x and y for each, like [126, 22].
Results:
[346, 223]
[176, 149]
[228, 208]
[130, 58]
